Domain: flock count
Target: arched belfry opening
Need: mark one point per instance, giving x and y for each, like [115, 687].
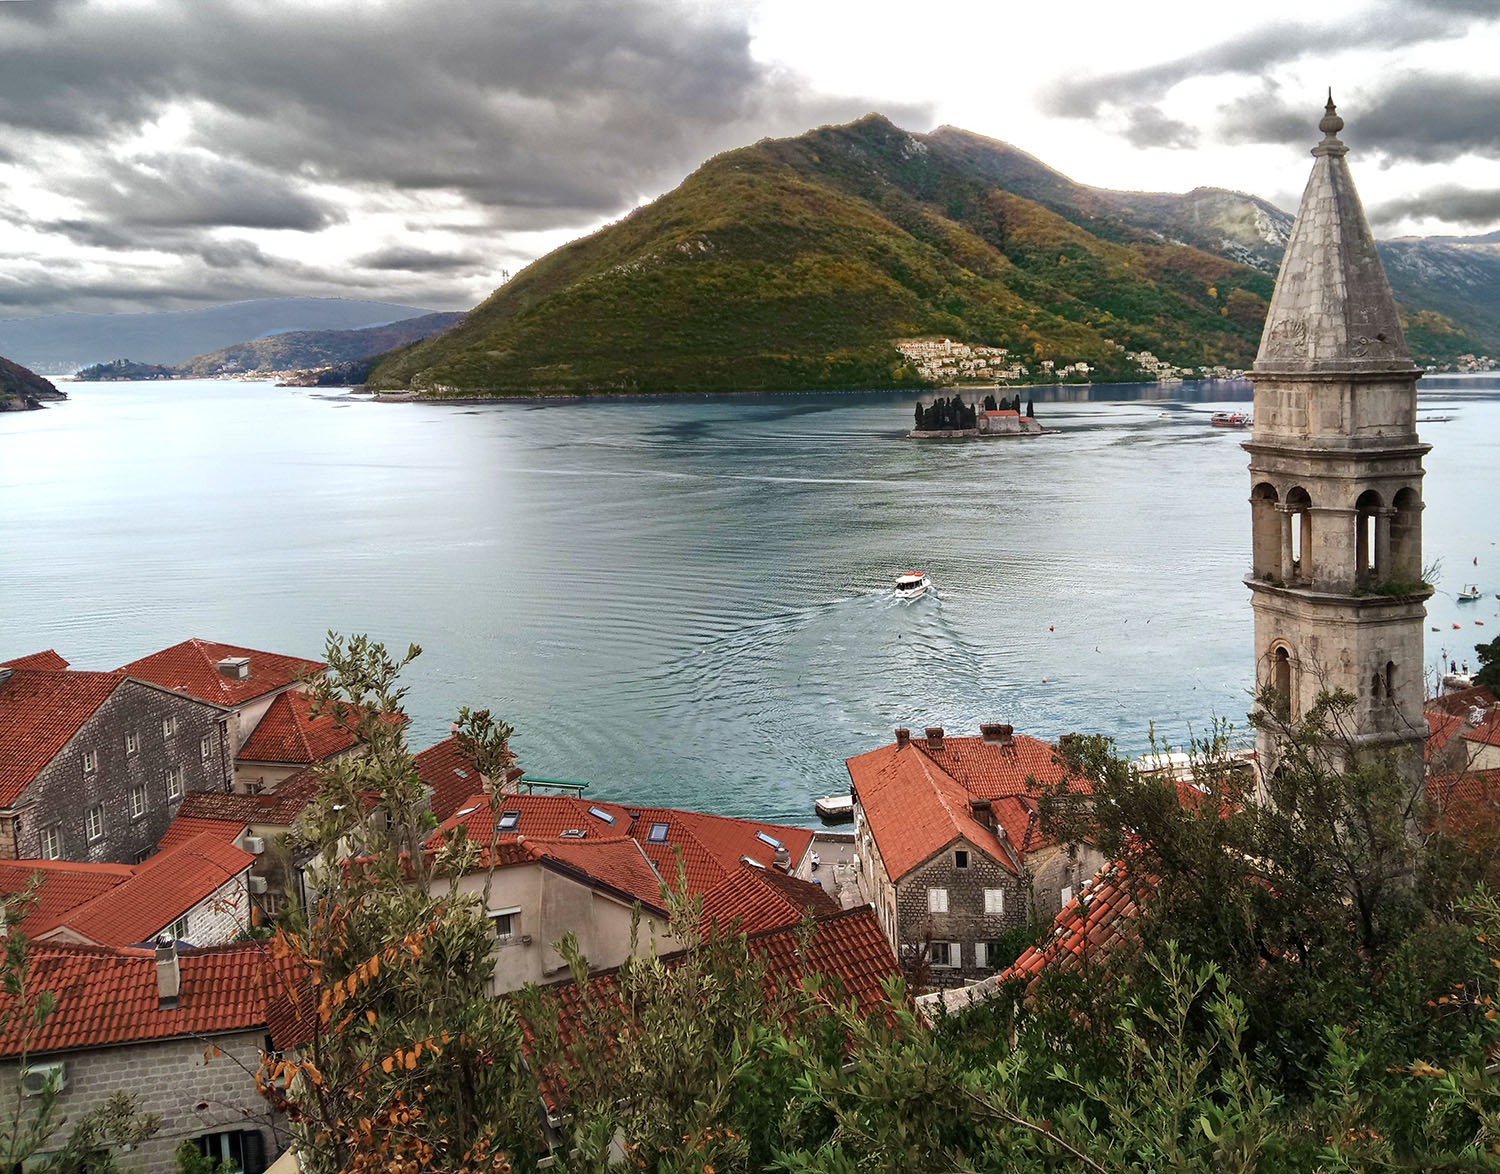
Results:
[1265, 521]
[1297, 536]
[1371, 539]
[1406, 536]
[1281, 682]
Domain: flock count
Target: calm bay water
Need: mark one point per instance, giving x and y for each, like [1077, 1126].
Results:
[688, 601]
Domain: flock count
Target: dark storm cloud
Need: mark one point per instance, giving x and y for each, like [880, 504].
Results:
[1391, 24]
[1426, 118]
[1456, 205]
[414, 260]
[193, 191]
[1149, 127]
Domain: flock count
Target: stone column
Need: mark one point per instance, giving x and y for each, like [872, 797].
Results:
[1286, 543]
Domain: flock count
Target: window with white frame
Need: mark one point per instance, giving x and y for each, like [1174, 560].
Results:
[132, 743]
[994, 900]
[946, 954]
[137, 801]
[94, 821]
[937, 900]
[205, 747]
[169, 725]
[90, 761]
[979, 954]
[51, 842]
[506, 924]
[179, 929]
[1066, 894]
[173, 779]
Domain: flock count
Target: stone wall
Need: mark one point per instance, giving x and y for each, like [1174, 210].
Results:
[966, 921]
[62, 794]
[221, 916]
[193, 1095]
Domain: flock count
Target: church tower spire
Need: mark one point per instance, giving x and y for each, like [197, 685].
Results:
[1336, 475]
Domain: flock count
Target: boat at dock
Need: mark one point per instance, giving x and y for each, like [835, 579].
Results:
[835, 808]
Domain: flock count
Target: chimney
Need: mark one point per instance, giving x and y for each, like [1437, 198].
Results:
[236, 668]
[168, 971]
[903, 736]
[934, 737]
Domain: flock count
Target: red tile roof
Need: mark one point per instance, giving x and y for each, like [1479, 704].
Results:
[1464, 800]
[39, 711]
[450, 775]
[756, 899]
[1440, 730]
[37, 660]
[1093, 921]
[109, 996]
[63, 886]
[184, 828]
[288, 734]
[916, 797]
[1460, 701]
[711, 845]
[1487, 732]
[189, 668]
[159, 892]
[279, 809]
[847, 948]
[616, 862]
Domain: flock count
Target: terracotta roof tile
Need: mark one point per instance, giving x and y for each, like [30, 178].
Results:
[1465, 800]
[279, 809]
[758, 899]
[616, 862]
[450, 775]
[40, 710]
[64, 885]
[159, 892]
[109, 996]
[1487, 732]
[37, 660]
[1094, 920]
[189, 668]
[1440, 730]
[1460, 701]
[288, 734]
[184, 828]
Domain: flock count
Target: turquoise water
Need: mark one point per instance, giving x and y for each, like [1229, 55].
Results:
[688, 601]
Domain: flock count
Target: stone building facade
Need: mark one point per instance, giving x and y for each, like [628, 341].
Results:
[1336, 476]
[116, 756]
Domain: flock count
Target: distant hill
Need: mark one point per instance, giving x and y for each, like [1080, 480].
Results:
[797, 263]
[299, 350]
[59, 344]
[21, 389]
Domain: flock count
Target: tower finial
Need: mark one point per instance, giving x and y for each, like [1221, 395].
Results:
[1331, 123]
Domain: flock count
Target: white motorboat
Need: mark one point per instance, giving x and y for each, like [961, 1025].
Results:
[1469, 594]
[912, 584]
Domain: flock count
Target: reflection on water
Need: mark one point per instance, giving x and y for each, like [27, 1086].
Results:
[689, 601]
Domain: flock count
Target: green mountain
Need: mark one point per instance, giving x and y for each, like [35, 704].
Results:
[21, 389]
[797, 263]
[298, 350]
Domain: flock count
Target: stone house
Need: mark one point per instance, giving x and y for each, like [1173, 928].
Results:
[196, 891]
[144, 1021]
[949, 848]
[243, 680]
[562, 864]
[93, 766]
[287, 740]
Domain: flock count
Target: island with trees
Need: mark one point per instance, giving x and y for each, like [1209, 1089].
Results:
[955, 417]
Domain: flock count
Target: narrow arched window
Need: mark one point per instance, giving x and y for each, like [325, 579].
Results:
[1369, 557]
[1281, 681]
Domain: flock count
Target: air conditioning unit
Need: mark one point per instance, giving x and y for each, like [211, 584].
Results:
[258, 885]
[254, 845]
[35, 1078]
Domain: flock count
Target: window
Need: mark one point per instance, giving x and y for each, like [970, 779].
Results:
[506, 923]
[90, 761]
[137, 801]
[994, 900]
[51, 843]
[600, 813]
[1066, 894]
[169, 725]
[961, 858]
[205, 748]
[173, 779]
[946, 954]
[132, 743]
[657, 834]
[767, 838]
[937, 900]
[979, 956]
[179, 929]
[508, 821]
[95, 821]
[243, 1149]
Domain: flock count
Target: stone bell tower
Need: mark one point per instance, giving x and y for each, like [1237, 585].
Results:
[1336, 476]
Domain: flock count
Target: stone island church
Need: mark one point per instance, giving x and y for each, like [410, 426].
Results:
[1336, 477]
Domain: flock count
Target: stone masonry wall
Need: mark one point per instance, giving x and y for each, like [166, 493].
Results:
[966, 922]
[221, 916]
[172, 1078]
[62, 794]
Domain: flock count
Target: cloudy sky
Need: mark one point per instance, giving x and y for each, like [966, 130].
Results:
[165, 154]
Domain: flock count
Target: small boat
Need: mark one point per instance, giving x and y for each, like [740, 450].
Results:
[835, 808]
[1230, 420]
[912, 584]
[1469, 594]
